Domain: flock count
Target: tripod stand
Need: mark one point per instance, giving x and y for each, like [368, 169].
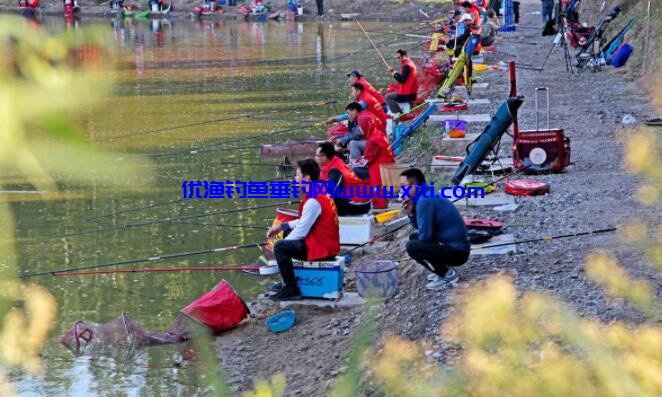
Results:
[561, 40]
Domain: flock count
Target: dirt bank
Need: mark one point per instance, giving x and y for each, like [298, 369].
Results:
[594, 193]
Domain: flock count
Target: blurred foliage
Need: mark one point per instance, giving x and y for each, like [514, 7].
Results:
[275, 388]
[44, 79]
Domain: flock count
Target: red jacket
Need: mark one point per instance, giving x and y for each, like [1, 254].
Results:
[323, 240]
[375, 108]
[377, 152]
[371, 90]
[410, 86]
[349, 177]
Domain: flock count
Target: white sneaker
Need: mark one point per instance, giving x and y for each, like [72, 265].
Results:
[433, 277]
[448, 281]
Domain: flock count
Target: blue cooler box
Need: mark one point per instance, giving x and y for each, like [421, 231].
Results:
[323, 279]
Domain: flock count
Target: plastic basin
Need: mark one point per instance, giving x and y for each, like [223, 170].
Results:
[377, 279]
[281, 321]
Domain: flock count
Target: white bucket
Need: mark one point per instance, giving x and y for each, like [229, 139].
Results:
[300, 10]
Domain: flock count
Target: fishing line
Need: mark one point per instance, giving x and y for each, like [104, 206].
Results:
[158, 270]
[223, 225]
[198, 123]
[196, 150]
[548, 238]
[173, 201]
[162, 221]
[140, 260]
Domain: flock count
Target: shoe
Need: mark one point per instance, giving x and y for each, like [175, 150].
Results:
[433, 277]
[448, 281]
[275, 287]
[286, 294]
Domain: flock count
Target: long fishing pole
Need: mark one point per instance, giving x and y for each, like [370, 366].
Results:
[547, 238]
[176, 127]
[158, 270]
[161, 221]
[196, 150]
[140, 260]
[271, 145]
[373, 44]
[212, 121]
[173, 201]
[224, 225]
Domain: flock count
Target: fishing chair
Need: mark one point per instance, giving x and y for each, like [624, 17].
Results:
[588, 57]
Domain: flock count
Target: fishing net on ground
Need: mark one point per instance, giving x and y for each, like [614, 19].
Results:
[219, 310]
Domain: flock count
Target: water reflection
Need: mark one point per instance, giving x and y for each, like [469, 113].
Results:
[181, 86]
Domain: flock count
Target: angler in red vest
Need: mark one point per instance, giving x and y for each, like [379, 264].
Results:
[314, 236]
[356, 77]
[346, 182]
[407, 82]
[371, 104]
[32, 4]
[377, 152]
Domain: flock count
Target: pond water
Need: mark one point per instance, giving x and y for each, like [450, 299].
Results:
[182, 85]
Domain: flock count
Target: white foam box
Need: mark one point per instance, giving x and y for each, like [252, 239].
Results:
[356, 230]
[320, 279]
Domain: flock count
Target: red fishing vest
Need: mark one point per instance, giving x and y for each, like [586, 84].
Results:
[410, 86]
[349, 177]
[323, 239]
[371, 90]
[375, 108]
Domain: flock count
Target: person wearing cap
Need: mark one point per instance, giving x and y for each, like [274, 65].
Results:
[469, 28]
[353, 140]
[473, 10]
[407, 80]
[356, 77]
[369, 103]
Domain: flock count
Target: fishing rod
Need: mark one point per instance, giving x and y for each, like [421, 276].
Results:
[196, 150]
[418, 8]
[271, 145]
[223, 225]
[173, 127]
[140, 260]
[166, 202]
[198, 123]
[158, 270]
[547, 238]
[161, 221]
[373, 44]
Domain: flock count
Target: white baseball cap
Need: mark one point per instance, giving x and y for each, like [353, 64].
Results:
[466, 17]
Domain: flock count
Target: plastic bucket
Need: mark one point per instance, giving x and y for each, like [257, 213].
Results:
[391, 174]
[377, 279]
